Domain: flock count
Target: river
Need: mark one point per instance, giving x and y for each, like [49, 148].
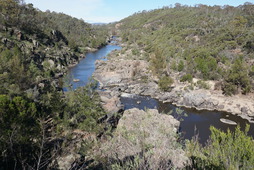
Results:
[85, 68]
[196, 122]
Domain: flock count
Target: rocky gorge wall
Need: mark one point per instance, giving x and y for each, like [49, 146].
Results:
[120, 75]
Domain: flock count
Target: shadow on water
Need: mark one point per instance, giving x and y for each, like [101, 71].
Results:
[196, 122]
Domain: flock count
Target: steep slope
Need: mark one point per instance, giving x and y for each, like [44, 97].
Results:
[42, 44]
[36, 49]
[206, 42]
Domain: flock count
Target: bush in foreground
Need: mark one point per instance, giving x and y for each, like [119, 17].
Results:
[226, 150]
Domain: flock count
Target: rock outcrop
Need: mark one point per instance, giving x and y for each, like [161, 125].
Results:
[110, 101]
[133, 76]
[148, 135]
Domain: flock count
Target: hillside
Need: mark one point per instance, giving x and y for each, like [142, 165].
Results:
[36, 49]
[205, 42]
[43, 127]
[40, 46]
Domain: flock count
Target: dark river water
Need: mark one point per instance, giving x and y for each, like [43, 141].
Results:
[196, 122]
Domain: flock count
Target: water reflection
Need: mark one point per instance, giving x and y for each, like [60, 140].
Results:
[199, 120]
[196, 122]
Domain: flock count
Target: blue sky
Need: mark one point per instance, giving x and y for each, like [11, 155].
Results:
[106, 11]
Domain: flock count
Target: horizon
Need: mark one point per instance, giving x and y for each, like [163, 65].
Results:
[108, 11]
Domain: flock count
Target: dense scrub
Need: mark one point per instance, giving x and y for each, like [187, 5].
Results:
[225, 150]
[78, 32]
[35, 115]
[39, 123]
[203, 41]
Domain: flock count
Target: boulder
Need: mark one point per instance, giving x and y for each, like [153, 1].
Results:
[190, 99]
[112, 105]
[244, 110]
[66, 162]
[227, 121]
[147, 135]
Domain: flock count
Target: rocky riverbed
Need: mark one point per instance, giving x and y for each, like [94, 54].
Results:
[119, 75]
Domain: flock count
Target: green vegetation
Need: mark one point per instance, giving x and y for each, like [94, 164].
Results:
[202, 84]
[180, 66]
[226, 150]
[40, 123]
[186, 77]
[237, 78]
[36, 117]
[204, 41]
[165, 83]
[78, 32]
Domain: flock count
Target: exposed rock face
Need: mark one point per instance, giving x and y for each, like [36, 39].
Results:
[110, 102]
[66, 162]
[40, 50]
[148, 134]
[134, 77]
[119, 71]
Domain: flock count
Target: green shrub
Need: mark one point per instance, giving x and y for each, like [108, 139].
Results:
[158, 62]
[165, 82]
[180, 66]
[226, 150]
[135, 52]
[186, 77]
[173, 65]
[207, 66]
[203, 85]
[229, 89]
[237, 77]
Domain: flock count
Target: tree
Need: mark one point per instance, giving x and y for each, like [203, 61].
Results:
[237, 77]
[165, 83]
[9, 11]
[19, 131]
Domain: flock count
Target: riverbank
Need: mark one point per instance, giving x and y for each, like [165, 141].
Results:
[124, 74]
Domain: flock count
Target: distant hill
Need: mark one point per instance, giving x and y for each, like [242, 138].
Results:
[98, 23]
[201, 41]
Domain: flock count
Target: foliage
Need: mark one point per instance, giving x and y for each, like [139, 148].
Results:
[78, 32]
[201, 40]
[158, 62]
[9, 11]
[186, 77]
[180, 66]
[165, 83]
[202, 84]
[237, 77]
[35, 49]
[226, 150]
[19, 130]
[83, 109]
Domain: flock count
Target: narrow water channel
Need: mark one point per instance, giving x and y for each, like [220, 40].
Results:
[196, 122]
[85, 68]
